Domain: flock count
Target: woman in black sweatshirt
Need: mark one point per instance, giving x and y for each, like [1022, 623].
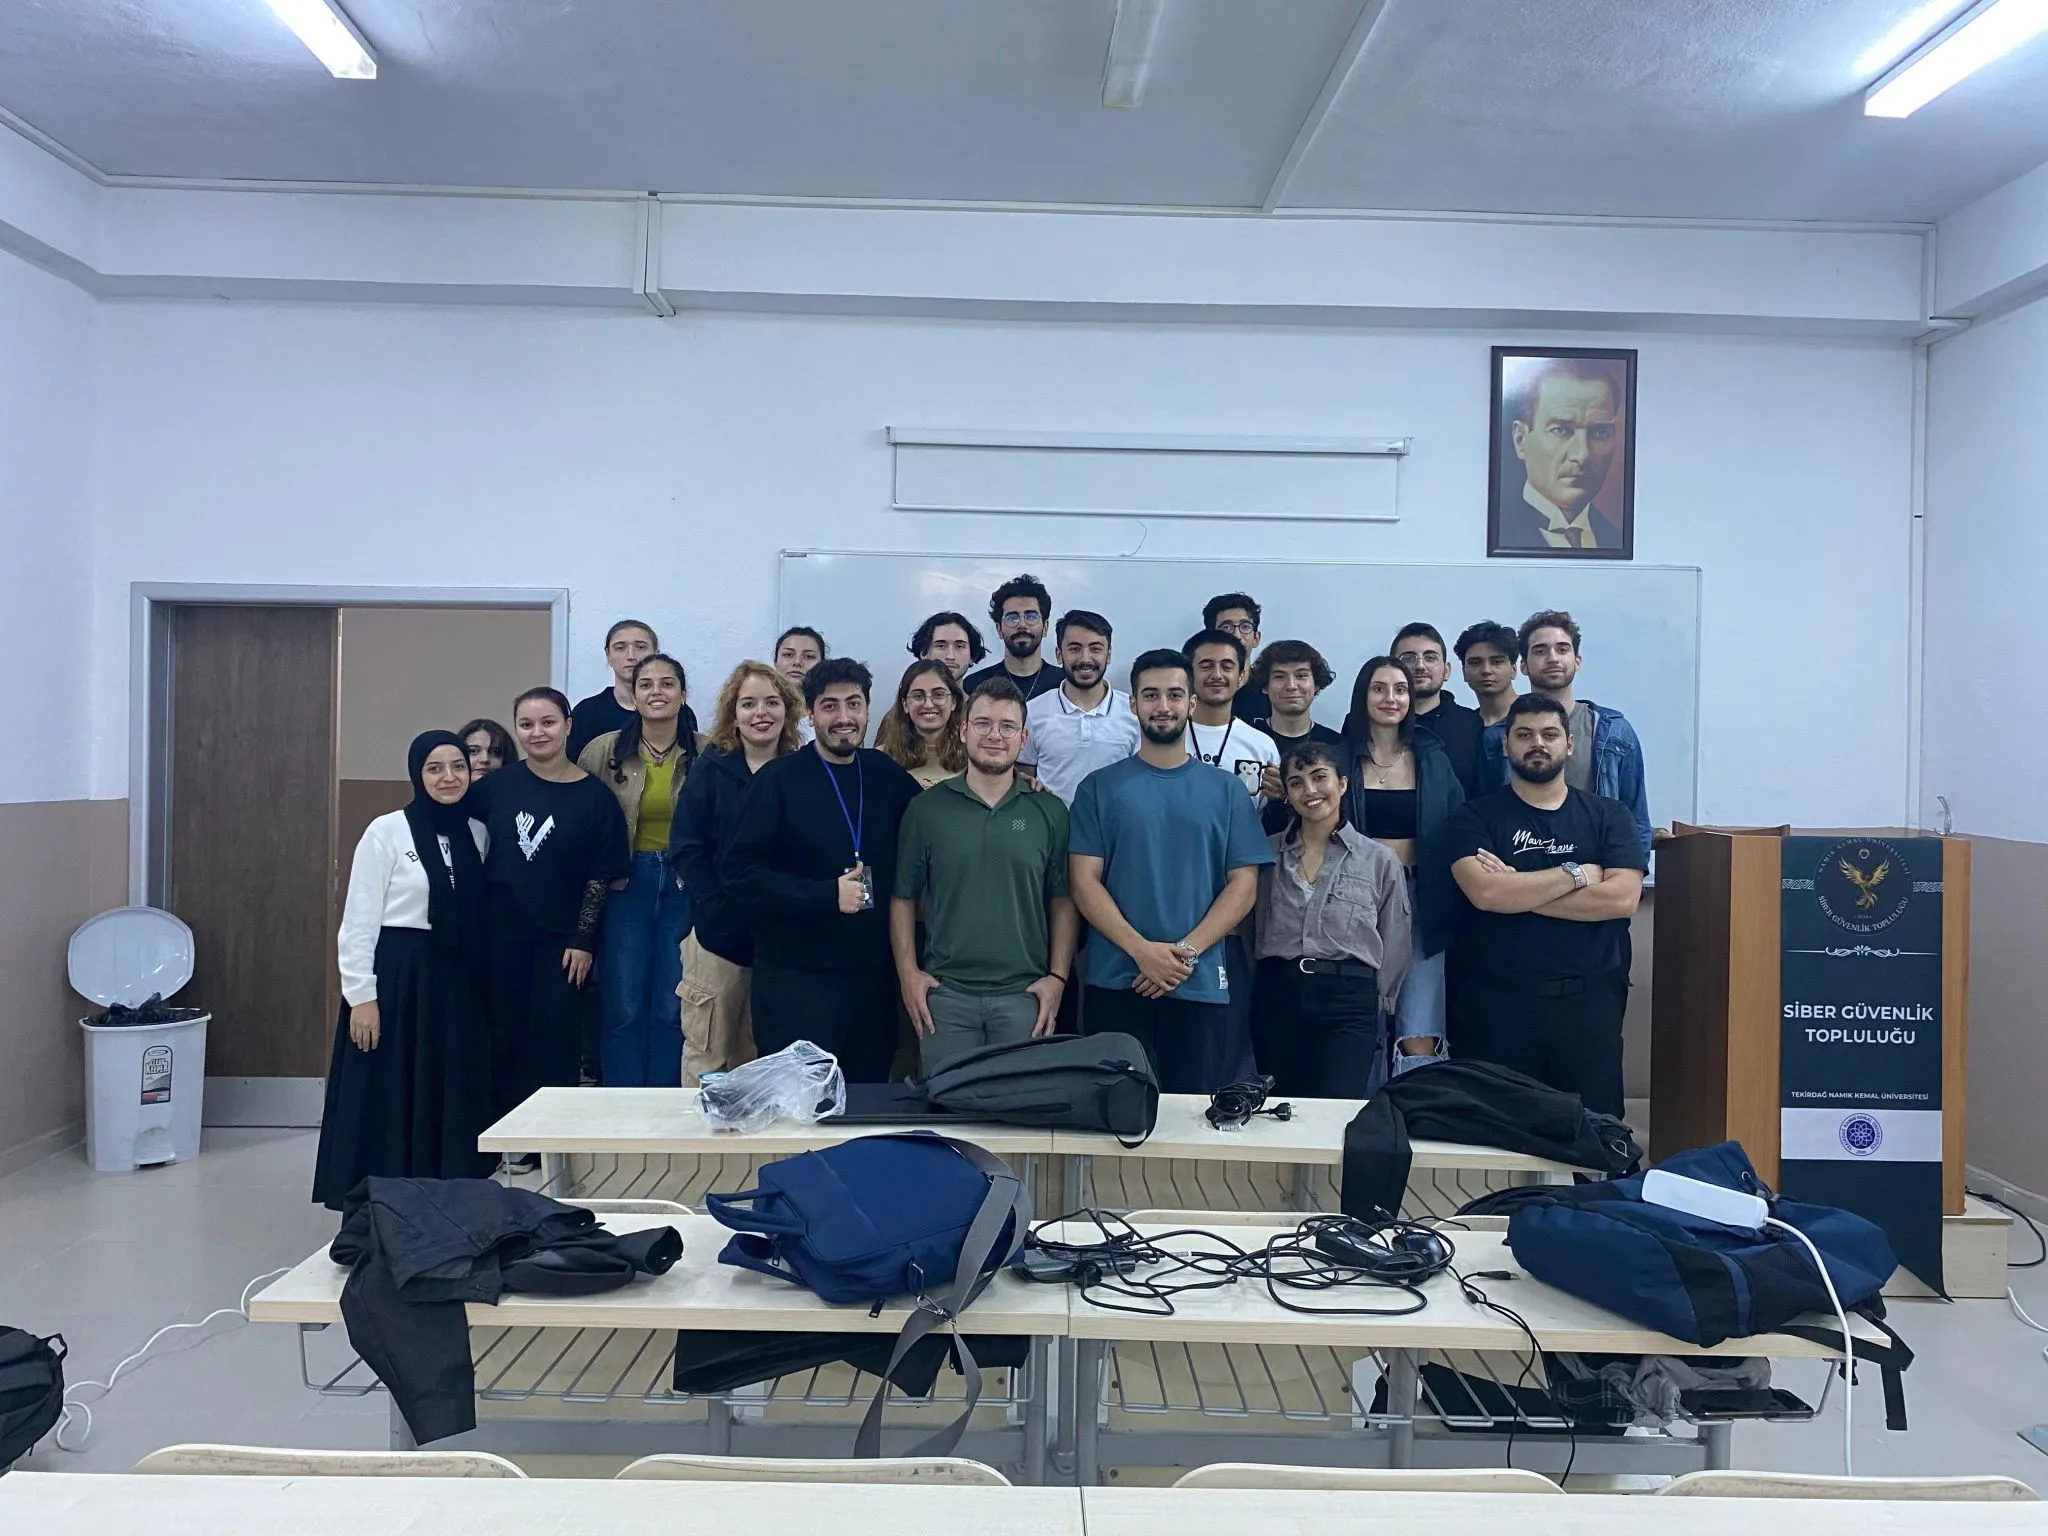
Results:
[754, 723]
[811, 863]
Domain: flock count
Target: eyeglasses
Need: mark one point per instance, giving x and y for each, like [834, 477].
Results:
[1003, 728]
[1028, 616]
[1244, 629]
[1416, 658]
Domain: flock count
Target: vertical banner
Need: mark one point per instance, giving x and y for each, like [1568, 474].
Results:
[1860, 1042]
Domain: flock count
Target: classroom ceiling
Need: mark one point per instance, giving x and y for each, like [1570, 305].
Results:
[1692, 108]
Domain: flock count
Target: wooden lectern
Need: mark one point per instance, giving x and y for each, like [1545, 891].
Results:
[1715, 1003]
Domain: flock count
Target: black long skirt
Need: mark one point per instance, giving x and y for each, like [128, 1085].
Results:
[414, 1106]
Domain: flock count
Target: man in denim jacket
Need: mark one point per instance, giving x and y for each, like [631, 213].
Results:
[1607, 757]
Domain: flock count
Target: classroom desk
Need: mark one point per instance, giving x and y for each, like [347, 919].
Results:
[701, 1293]
[1298, 1512]
[1312, 1138]
[93, 1504]
[1244, 1313]
[96, 1504]
[657, 1122]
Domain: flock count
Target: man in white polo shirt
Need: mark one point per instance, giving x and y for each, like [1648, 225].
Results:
[1084, 724]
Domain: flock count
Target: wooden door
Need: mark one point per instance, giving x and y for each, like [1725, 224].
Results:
[251, 847]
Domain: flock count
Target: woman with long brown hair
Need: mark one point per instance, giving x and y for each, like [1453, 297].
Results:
[921, 731]
[645, 763]
[755, 723]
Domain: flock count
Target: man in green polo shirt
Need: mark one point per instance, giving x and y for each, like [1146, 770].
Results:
[988, 858]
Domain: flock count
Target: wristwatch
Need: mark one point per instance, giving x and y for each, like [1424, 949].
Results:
[1578, 874]
[1184, 948]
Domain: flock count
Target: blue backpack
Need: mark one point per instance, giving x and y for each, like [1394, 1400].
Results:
[1703, 1281]
[907, 1214]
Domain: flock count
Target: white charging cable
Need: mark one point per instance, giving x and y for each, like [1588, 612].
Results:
[72, 1406]
[1739, 1208]
[1848, 1347]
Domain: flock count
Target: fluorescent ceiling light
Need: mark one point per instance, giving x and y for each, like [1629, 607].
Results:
[1985, 33]
[1130, 51]
[335, 42]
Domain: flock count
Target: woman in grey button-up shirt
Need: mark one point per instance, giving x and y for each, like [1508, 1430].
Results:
[1331, 937]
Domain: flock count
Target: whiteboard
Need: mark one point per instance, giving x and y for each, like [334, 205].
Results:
[1640, 622]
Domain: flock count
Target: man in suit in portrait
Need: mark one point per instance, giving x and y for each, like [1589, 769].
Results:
[1566, 428]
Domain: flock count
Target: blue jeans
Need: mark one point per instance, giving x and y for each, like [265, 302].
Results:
[639, 969]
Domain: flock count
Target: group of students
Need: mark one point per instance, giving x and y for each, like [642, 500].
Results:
[1332, 906]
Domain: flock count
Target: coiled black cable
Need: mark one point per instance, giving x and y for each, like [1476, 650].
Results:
[1233, 1105]
[1321, 1254]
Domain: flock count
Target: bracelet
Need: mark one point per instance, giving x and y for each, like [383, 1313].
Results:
[1056, 976]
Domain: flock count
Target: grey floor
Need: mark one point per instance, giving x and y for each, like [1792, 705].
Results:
[106, 1259]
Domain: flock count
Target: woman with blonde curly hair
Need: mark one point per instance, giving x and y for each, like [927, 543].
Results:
[755, 723]
[921, 731]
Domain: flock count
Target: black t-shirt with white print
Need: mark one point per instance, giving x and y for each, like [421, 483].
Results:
[1586, 829]
[548, 842]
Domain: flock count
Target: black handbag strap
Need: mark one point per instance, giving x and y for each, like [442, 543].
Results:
[1007, 1202]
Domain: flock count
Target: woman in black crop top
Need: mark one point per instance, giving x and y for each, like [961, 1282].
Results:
[1402, 793]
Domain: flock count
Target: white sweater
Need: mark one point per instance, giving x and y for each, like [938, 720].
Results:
[387, 888]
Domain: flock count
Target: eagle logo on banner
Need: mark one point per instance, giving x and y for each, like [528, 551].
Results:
[1866, 885]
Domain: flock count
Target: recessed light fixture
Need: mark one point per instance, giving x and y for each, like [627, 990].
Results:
[332, 37]
[1131, 41]
[1983, 34]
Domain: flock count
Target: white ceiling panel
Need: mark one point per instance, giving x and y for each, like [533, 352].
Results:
[1681, 108]
[1703, 108]
[949, 99]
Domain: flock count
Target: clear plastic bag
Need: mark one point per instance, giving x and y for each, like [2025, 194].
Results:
[799, 1082]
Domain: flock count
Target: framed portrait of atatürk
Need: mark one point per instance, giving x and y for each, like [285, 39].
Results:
[1563, 480]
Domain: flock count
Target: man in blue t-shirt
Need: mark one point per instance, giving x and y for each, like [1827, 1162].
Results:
[1164, 864]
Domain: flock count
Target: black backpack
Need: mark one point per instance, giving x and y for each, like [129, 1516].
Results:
[1061, 1082]
[31, 1391]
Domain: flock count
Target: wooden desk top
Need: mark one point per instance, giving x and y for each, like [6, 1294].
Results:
[1315, 1135]
[1297, 1512]
[1243, 1313]
[93, 1504]
[667, 1121]
[699, 1292]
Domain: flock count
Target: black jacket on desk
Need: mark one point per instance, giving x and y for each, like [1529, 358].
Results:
[1477, 1104]
[418, 1250]
[796, 837]
[706, 813]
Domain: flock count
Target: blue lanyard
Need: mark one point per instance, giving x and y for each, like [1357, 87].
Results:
[854, 822]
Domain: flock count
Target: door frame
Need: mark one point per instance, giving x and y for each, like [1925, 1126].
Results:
[257, 1101]
[149, 702]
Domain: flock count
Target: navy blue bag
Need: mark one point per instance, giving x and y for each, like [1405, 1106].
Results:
[909, 1214]
[1702, 1281]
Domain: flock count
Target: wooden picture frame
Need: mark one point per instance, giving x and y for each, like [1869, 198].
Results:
[1561, 482]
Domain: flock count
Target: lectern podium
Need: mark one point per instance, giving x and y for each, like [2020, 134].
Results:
[1724, 1020]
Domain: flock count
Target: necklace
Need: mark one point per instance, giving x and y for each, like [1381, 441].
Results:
[654, 756]
[1380, 770]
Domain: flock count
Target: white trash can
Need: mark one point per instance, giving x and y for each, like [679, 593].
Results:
[143, 1082]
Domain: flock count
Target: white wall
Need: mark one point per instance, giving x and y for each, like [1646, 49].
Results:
[657, 467]
[1987, 562]
[46, 412]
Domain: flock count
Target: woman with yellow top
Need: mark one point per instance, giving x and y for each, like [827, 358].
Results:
[921, 732]
[640, 965]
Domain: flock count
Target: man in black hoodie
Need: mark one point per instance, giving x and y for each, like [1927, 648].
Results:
[812, 862]
[1421, 649]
